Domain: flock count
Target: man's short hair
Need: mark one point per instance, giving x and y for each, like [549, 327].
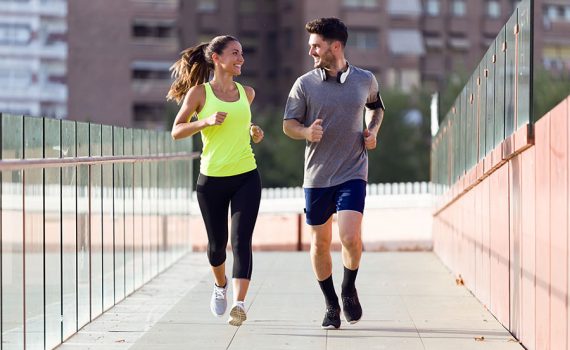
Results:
[330, 29]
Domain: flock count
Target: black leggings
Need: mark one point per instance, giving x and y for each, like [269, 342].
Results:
[215, 195]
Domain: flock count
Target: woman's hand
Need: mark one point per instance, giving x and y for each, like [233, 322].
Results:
[256, 133]
[216, 118]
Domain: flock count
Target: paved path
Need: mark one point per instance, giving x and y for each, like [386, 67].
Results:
[410, 301]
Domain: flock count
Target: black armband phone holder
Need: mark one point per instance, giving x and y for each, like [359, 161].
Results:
[376, 105]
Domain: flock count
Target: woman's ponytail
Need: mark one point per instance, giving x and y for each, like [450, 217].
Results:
[191, 69]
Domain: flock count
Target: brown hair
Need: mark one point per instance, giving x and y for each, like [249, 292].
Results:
[194, 67]
[329, 28]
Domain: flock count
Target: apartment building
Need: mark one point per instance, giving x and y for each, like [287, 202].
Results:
[107, 61]
[405, 43]
[552, 46]
[119, 55]
[33, 57]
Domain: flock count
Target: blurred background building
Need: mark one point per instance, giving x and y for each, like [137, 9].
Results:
[33, 57]
[107, 61]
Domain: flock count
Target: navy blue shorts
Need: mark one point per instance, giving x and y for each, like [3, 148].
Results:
[321, 203]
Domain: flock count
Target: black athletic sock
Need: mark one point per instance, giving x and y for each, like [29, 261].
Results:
[327, 287]
[348, 287]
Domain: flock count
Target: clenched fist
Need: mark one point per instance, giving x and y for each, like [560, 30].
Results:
[216, 118]
[256, 133]
[314, 133]
[369, 139]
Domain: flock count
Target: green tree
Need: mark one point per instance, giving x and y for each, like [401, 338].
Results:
[548, 91]
[452, 87]
[404, 139]
[279, 159]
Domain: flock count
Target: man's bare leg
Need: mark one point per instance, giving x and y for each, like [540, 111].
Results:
[349, 224]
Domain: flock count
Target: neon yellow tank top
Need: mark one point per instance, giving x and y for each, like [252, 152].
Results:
[226, 148]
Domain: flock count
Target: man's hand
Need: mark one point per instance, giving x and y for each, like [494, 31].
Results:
[256, 133]
[314, 133]
[216, 118]
[369, 139]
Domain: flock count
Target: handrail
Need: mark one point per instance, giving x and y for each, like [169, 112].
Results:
[25, 164]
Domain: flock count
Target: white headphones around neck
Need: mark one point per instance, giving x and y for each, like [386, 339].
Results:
[340, 77]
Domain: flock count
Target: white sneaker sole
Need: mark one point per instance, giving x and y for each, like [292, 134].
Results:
[237, 316]
[213, 310]
[331, 327]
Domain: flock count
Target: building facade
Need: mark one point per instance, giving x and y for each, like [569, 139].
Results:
[108, 61]
[33, 57]
[119, 55]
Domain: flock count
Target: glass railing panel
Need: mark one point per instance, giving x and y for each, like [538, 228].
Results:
[511, 74]
[69, 229]
[500, 80]
[490, 58]
[96, 226]
[524, 97]
[12, 239]
[53, 234]
[153, 233]
[34, 234]
[119, 213]
[138, 209]
[146, 209]
[83, 229]
[107, 222]
[481, 109]
[129, 214]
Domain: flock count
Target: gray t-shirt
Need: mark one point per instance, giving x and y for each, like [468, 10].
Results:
[340, 156]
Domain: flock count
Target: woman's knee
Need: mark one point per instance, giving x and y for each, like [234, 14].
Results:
[216, 255]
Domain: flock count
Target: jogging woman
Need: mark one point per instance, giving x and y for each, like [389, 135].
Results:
[220, 110]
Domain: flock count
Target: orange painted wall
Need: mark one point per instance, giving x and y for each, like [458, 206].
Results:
[508, 235]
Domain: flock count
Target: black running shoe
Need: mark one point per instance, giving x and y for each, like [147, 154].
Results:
[351, 308]
[332, 318]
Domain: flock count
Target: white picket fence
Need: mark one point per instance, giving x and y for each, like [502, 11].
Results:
[378, 196]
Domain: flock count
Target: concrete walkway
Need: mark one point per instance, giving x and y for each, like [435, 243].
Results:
[410, 301]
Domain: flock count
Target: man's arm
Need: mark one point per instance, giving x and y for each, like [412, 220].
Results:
[297, 131]
[374, 119]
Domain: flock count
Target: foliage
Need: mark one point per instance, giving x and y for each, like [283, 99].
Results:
[548, 91]
[403, 150]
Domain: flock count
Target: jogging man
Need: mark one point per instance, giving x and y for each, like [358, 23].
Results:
[326, 107]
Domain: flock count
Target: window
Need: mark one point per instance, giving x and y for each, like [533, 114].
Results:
[405, 42]
[363, 39]
[433, 41]
[207, 5]
[14, 78]
[459, 43]
[552, 12]
[458, 8]
[149, 111]
[360, 3]
[150, 70]
[247, 6]
[411, 8]
[143, 28]
[15, 33]
[555, 13]
[432, 7]
[493, 9]
[249, 43]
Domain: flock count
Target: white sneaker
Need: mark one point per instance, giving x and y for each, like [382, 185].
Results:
[219, 303]
[237, 314]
